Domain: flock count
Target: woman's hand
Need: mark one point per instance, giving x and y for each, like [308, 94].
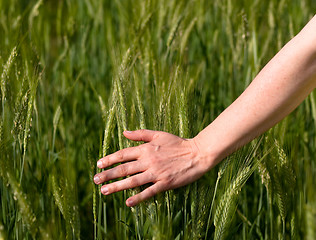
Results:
[165, 160]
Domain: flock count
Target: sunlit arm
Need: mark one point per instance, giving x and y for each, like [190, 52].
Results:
[276, 91]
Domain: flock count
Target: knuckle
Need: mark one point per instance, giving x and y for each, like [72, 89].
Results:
[154, 161]
[106, 162]
[133, 182]
[103, 176]
[142, 131]
[119, 155]
[140, 149]
[146, 149]
[168, 180]
[143, 146]
[122, 170]
[152, 176]
[156, 135]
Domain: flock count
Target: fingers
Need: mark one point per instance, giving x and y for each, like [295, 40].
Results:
[122, 170]
[141, 135]
[132, 182]
[147, 193]
[127, 183]
[123, 155]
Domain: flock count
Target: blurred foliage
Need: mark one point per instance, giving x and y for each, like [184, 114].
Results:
[75, 74]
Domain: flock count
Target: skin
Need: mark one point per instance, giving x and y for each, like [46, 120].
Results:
[169, 162]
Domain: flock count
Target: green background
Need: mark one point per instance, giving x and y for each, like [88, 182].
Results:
[75, 74]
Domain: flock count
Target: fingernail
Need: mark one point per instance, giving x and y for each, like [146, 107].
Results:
[97, 179]
[130, 202]
[128, 131]
[99, 164]
[104, 190]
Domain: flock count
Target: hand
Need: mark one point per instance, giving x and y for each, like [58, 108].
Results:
[165, 160]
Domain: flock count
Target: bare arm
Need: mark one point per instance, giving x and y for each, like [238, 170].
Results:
[276, 91]
[169, 162]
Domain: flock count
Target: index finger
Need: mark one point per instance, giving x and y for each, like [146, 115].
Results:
[123, 155]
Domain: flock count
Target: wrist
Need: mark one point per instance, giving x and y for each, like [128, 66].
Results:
[208, 156]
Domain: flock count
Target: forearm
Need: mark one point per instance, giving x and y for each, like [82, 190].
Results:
[276, 91]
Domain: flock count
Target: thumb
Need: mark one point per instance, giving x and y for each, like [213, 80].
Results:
[140, 135]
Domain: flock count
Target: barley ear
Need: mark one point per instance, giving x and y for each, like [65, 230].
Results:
[228, 203]
[34, 13]
[186, 35]
[5, 76]
[139, 104]
[174, 30]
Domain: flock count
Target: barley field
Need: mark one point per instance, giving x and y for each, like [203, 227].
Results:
[75, 73]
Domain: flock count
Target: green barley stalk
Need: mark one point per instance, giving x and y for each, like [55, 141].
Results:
[294, 233]
[121, 146]
[57, 193]
[27, 129]
[66, 205]
[5, 76]
[56, 118]
[3, 234]
[174, 30]
[155, 71]
[265, 176]
[279, 179]
[120, 126]
[28, 121]
[172, 34]
[34, 12]
[310, 219]
[186, 34]
[94, 193]
[64, 198]
[108, 130]
[288, 179]
[122, 104]
[165, 111]
[313, 106]
[62, 55]
[3, 166]
[139, 104]
[228, 203]
[183, 116]
[24, 205]
[199, 207]
[143, 25]
[73, 209]
[147, 62]
[220, 173]
[109, 126]
[19, 118]
[103, 108]
[119, 84]
[233, 189]
[23, 202]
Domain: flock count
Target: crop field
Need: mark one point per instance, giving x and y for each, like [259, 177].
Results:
[75, 73]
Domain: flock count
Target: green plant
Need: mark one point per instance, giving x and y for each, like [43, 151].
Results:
[75, 74]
